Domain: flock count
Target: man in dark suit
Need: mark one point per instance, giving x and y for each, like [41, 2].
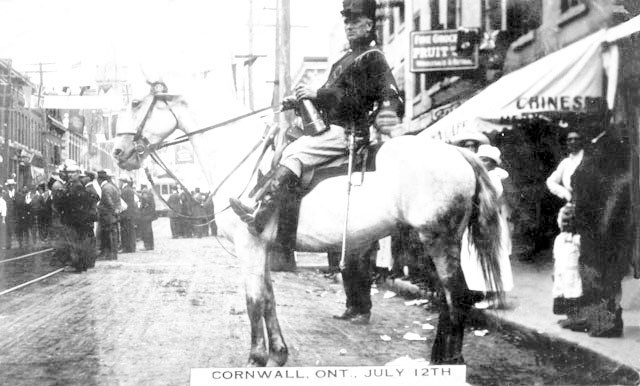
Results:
[175, 206]
[128, 216]
[10, 219]
[45, 212]
[108, 209]
[186, 212]
[147, 216]
[37, 203]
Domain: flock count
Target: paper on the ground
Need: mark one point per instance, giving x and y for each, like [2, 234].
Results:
[416, 302]
[407, 361]
[389, 294]
[413, 336]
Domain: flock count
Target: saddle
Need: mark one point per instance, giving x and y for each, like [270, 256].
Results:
[364, 161]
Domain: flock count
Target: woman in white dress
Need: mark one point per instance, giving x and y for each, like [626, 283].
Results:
[471, 268]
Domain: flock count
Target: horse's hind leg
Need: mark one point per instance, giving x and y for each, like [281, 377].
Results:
[278, 352]
[444, 251]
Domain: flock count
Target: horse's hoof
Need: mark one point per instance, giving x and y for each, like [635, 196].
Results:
[257, 360]
[278, 357]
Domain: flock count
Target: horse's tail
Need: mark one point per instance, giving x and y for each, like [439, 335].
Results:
[484, 225]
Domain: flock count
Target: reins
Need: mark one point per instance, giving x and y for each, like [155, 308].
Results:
[159, 89]
[265, 141]
[185, 137]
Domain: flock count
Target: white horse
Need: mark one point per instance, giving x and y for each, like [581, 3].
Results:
[435, 188]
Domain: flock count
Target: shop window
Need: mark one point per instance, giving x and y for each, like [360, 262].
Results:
[417, 87]
[392, 26]
[401, 13]
[416, 22]
[56, 155]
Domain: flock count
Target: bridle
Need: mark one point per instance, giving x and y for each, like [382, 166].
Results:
[142, 146]
[140, 143]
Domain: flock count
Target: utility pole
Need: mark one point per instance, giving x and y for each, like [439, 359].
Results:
[7, 121]
[250, 68]
[45, 129]
[283, 55]
[282, 259]
[44, 134]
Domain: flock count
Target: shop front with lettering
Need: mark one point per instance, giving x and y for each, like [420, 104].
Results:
[528, 112]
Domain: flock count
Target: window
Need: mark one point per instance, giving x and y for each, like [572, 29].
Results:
[401, 15]
[435, 15]
[392, 26]
[451, 10]
[566, 4]
[524, 16]
[416, 84]
[416, 22]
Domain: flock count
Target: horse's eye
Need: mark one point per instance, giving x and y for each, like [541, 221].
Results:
[135, 103]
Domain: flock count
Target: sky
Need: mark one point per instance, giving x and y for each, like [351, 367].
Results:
[71, 36]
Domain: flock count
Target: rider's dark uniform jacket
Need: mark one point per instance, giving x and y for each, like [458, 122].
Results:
[359, 82]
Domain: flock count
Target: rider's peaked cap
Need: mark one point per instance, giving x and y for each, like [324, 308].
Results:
[354, 8]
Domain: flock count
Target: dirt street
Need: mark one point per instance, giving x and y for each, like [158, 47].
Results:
[151, 316]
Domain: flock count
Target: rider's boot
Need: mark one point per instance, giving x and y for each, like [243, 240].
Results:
[282, 183]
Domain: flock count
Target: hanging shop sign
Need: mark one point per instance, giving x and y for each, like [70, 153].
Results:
[440, 51]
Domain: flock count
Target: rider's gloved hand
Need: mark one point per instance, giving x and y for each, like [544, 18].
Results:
[303, 91]
[289, 103]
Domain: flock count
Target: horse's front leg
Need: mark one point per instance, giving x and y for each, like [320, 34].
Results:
[254, 270]
[278, 352]
[258, 356]
[455, 304]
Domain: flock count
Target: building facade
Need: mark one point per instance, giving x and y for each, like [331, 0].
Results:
[498, 38]
[22, 128]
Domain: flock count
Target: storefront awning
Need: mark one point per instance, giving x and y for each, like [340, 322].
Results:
[570, 80]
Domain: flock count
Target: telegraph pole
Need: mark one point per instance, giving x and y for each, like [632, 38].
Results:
[45, 129]
[7, 121]
[250, 69]
[282, 259]
[283, 54]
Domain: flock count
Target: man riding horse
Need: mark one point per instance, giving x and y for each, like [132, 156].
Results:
[360, 91]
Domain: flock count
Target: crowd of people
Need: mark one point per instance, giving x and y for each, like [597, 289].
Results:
[191, 214]
[85, 215]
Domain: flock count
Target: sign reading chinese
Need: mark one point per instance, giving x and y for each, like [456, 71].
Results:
[436, 51]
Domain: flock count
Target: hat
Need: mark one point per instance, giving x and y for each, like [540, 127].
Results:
[460, 138]
[10, 181]
[491, 152]
[69, 166]
[105, 173]
[353, 8]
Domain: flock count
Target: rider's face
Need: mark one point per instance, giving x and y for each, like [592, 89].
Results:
[357, 27]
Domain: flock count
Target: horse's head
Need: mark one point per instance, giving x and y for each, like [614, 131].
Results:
[145, 124]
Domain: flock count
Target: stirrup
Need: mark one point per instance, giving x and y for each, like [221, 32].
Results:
[247, 214]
